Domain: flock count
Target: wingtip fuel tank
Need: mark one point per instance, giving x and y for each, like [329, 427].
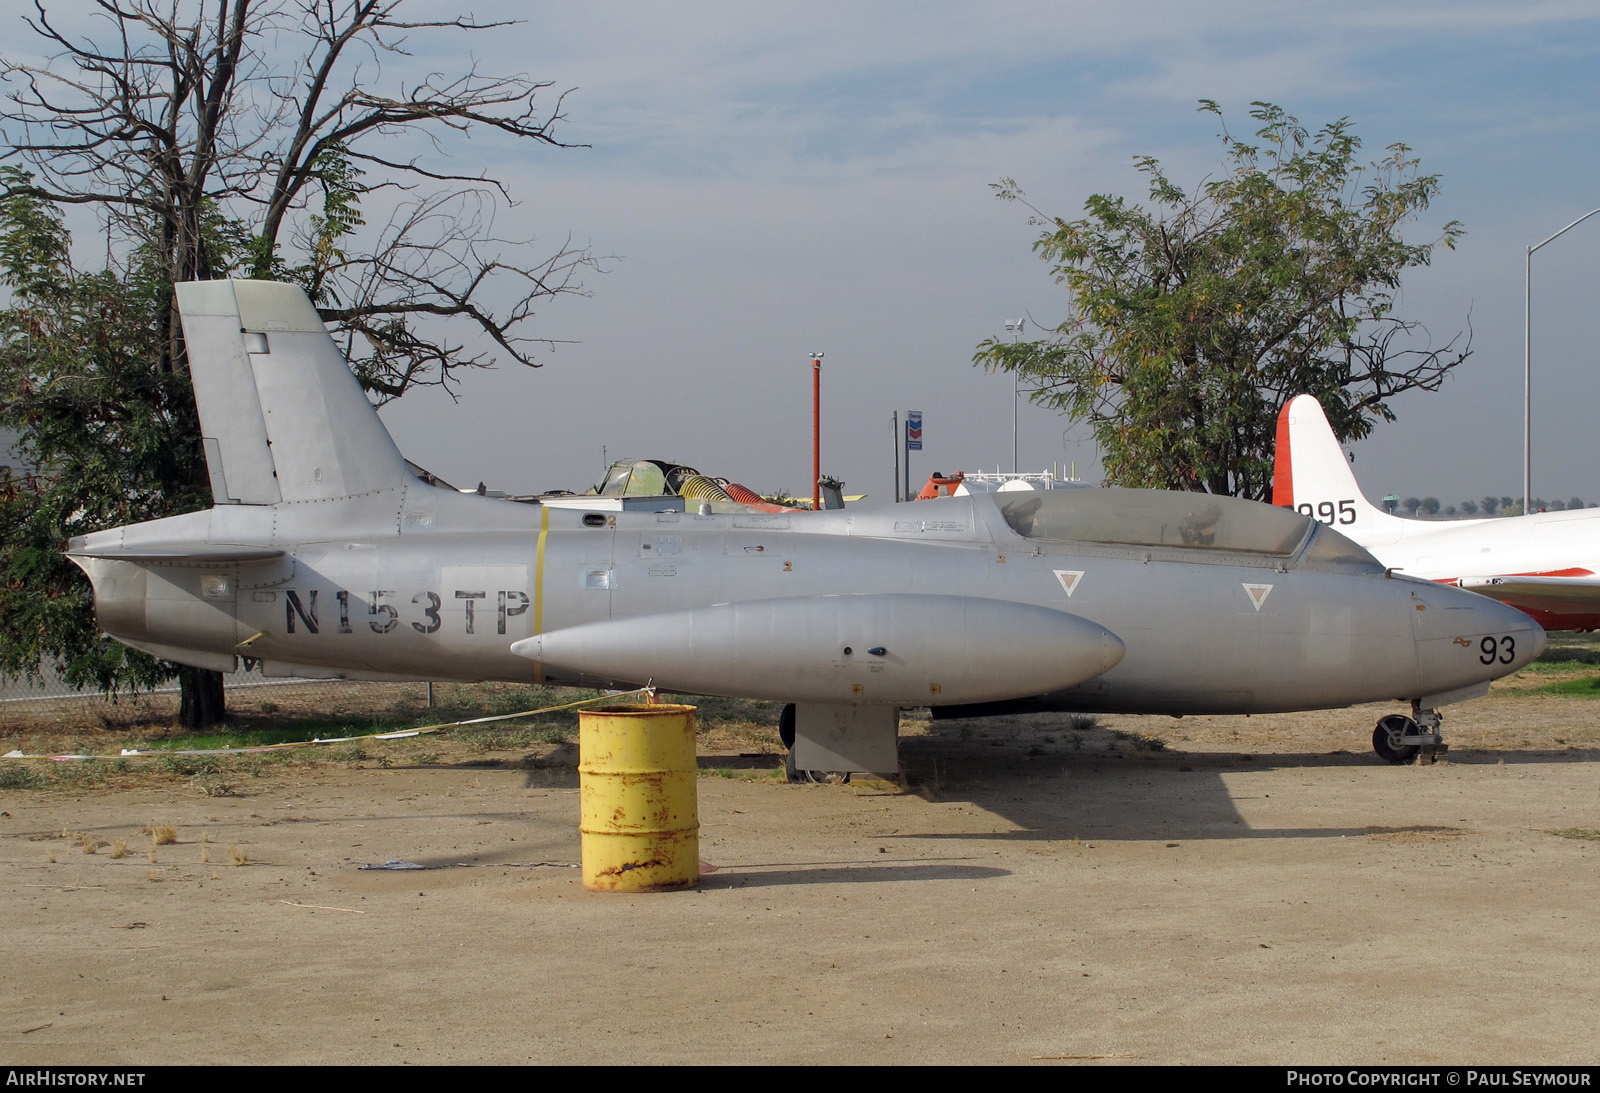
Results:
[899, 649]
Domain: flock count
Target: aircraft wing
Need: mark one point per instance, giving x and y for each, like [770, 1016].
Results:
[1551, 595]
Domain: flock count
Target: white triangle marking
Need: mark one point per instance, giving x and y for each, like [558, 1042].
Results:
[1069, 579]
[1258, 593]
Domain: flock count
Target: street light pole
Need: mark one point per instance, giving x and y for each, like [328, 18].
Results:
[1014, 328]
[1527, 361]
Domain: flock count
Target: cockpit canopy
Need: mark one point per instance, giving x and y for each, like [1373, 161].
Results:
[1179, 521]
[643, 478]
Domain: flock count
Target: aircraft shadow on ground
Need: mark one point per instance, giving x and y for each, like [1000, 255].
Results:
[1060, 794]
[1111, 795]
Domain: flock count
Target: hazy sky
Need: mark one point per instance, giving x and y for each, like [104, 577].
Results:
[778, 178]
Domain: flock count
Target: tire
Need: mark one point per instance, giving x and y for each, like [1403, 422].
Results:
[1385, 739]
[792, 772]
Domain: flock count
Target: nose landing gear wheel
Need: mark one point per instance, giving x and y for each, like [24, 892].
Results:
[1387, 736]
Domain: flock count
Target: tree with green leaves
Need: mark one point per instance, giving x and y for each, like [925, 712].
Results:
[244, 138]
[115, 440]
[1191, 323]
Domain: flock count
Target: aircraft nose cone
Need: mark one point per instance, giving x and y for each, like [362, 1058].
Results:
[1465, 639]
[1474, 636]
[1519, 640]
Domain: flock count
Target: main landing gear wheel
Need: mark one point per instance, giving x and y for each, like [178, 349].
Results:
[1387, 736]
[792, 772]
[786, 726]
[816, 777]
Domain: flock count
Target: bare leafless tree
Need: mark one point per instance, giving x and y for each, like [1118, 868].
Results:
[253, 137]
[256, 138]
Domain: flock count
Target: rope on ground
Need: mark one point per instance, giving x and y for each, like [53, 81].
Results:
[649, 692]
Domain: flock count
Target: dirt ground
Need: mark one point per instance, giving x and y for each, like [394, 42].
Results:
[1223, 890]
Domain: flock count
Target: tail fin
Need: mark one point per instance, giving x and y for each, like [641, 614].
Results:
[1311, 475]
[281, 414]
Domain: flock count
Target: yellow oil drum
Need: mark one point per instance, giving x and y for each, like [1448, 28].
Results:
[640, 814]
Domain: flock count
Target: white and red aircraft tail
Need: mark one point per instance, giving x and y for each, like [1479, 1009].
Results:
[1312, 476]
[1543, 563]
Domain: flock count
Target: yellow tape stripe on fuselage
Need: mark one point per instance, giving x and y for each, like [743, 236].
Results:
[538, 586]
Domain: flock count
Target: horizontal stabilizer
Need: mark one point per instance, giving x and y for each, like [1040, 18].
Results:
[180, 553]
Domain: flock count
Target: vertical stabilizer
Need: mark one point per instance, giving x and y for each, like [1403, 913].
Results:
[1312, 475]
[282, 416]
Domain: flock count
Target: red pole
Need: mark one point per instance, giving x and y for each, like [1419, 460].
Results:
[816, 432]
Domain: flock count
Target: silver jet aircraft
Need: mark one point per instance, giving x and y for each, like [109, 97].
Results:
[325, 556]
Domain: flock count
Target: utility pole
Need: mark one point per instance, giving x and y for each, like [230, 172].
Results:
[1014, 328]
[816, 432]
[894, 433]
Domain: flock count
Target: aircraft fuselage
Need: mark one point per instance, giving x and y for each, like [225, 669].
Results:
[453, 581]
